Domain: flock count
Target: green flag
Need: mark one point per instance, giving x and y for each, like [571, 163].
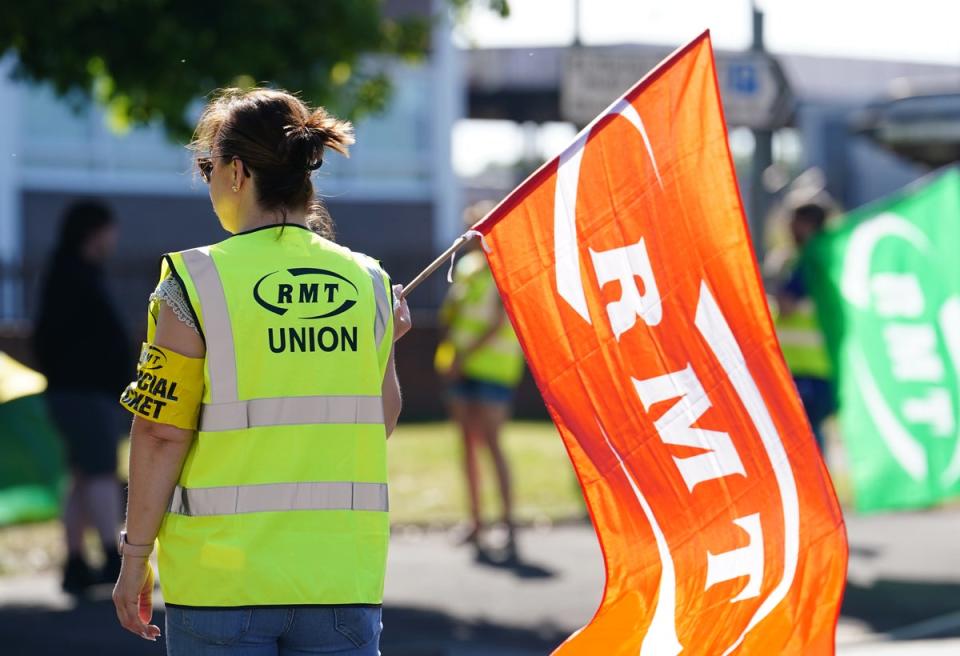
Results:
[886, 282]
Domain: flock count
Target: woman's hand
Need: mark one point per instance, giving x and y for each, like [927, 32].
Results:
[401, 314]
[453, 374]
[133, 597]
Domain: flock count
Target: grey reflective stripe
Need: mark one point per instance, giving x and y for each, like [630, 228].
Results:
[221, 363]
[291, 410]
[382, 299]
[803, 337]
[278, 497]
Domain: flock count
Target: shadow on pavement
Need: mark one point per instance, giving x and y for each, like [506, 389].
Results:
[886, 605]
[90, 628]
[864, 552]
[428, 632]
[517, 566]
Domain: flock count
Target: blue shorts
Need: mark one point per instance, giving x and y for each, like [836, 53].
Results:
[91, 427]
[480, 391]
[819, 402]
[332, 630]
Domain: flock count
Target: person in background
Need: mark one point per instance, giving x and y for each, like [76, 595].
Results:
[800, 336]
[264, 474]
[82, 347]
[481, 361]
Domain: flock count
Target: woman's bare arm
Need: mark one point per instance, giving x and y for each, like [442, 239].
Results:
[390, 391]
[390, 388]
[157, 451]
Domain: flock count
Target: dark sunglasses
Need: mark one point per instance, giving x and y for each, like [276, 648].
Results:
[205, 165]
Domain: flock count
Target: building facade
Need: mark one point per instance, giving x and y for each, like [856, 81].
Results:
[396, 198]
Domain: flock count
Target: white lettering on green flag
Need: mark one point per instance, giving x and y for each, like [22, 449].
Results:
[886, 282]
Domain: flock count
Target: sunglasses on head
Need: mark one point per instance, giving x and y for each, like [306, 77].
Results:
[205, 165]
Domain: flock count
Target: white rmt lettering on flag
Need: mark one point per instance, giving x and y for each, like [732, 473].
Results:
[626, 269]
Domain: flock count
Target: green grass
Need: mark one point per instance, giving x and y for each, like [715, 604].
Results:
[427, 487]
[29, 548]
[427, 480]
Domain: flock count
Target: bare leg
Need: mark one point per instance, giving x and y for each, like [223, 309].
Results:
[464, 414]
[74, 514]
[493, 416]
[103, 502]
[77, 576]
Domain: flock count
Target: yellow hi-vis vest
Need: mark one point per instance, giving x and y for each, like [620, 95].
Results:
[801, 341]
[282, 499]
[470, 309]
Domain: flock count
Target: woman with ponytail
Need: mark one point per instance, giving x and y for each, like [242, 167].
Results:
[264, 396]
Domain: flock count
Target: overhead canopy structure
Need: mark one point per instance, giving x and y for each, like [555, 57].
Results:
[921, 121]
[753, 87]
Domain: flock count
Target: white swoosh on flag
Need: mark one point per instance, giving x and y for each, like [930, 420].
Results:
[855, 279]
[566, 251]
[950, 327]
[904, 449]
[722, 342]
[661, 638]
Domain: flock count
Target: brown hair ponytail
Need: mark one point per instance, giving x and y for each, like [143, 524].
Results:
[279, 140]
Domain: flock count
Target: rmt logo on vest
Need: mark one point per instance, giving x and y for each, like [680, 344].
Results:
[306, 294]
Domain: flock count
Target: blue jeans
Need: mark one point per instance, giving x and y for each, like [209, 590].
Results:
[819, 402]
[281, 631]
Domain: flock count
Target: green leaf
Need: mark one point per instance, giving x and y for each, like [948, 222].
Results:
[148, 61]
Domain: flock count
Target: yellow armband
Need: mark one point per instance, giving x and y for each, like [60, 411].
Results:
[168, 388]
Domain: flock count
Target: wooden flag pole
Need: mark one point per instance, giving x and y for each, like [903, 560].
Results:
[459, 243]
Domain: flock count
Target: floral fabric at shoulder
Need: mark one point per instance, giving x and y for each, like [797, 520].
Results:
[170, 292]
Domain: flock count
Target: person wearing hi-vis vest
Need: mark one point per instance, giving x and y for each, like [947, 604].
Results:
[481, 361]
[264, 396]
[801, 338]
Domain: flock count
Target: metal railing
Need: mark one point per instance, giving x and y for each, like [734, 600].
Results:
[129, 282]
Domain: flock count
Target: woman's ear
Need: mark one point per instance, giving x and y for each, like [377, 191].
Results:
[239, 172]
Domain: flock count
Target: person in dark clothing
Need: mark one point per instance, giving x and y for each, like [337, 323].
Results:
[86, 363]
[799, 332]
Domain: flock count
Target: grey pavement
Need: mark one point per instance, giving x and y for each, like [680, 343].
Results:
[903, 596]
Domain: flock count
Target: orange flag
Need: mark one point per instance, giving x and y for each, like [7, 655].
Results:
[628, 273]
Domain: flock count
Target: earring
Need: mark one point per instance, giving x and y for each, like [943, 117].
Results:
[235, 188]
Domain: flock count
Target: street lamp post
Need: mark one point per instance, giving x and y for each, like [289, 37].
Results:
[762, 155]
